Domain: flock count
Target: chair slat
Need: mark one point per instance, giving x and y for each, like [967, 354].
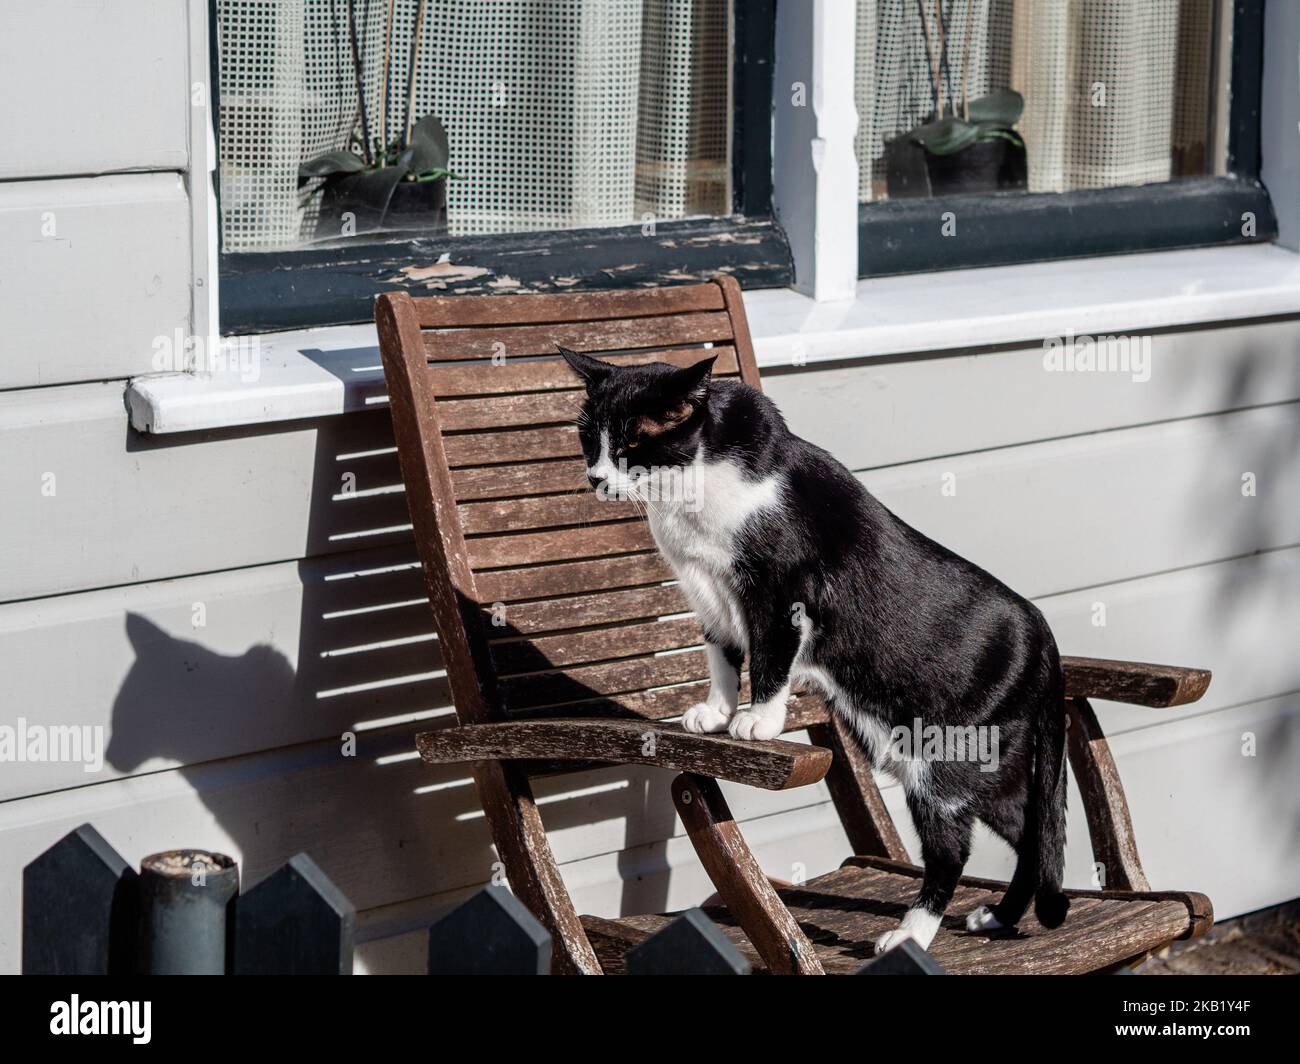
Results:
[612, 678]
[451, 311]
[616, 537]
[577, 611]
[660, 703]
[615, 335]
[516, 375]
[529, 408]
[506, 411]
[515, 445]
[595, 644]
[543, 511]
[533, 478]
[547, 581]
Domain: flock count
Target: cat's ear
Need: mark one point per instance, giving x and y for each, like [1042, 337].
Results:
[684, 393]
[692, 383]
[591, 370]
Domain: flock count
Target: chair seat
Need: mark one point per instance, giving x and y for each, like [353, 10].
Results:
[843, 913]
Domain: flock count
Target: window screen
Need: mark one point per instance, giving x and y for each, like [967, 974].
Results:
[559, 114]
[1114, 92]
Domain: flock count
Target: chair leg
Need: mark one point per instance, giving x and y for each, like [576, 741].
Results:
[749, 896]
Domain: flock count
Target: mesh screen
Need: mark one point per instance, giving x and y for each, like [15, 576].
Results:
[560, 113]
[1116, 92]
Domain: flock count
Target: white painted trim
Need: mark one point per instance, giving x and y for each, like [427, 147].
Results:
[319, 372]
[1279, 118]
[814, 165]
[201, 175]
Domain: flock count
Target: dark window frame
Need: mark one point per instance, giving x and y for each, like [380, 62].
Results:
[905, 236]
[336, 285]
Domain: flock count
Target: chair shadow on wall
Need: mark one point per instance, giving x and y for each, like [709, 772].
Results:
[306, 743]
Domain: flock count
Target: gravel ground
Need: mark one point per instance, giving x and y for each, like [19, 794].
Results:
[1261, 943]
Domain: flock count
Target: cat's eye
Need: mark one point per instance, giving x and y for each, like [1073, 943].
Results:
[633, 443]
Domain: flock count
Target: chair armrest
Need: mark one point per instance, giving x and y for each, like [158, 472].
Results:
[1133, 681]
[774, 765]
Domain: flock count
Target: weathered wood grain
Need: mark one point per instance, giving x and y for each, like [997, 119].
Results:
[513, 341]
[511, 375]
[444, 312]
[843, 912]
[774, 765]
[507, 798]
[595, 644]
[1110, 827]
[1133, 681]
[523, 582]
[750, 898]
[611, 537]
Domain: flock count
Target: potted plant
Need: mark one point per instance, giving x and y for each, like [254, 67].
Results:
[378, 183]
[965, 146]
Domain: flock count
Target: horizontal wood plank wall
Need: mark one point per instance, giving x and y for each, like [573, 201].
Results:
[93, 88]
[236, 602]
[172, 506]
[255, 659]
[103, 277]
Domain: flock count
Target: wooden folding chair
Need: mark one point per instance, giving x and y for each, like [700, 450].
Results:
[554, 611]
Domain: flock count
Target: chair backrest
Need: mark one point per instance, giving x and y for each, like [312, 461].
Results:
[547, 600]
[565, 605]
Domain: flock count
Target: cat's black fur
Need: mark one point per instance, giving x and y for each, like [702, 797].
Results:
[908, 628]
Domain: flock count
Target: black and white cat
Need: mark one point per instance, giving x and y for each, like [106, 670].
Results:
[788, 561]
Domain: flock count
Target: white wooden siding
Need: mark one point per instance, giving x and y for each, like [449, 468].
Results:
[227, 734]
[93, 272]
[92, 88]
[171, 506]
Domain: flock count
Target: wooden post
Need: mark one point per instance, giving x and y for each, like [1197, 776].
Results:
[79, 900]
[907, 958]
[490, 934]
[185, 902]
[294, 922]
[691, 945]
[749, 896]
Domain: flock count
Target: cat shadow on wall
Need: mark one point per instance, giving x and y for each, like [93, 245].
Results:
[341, 645]
[260, 739]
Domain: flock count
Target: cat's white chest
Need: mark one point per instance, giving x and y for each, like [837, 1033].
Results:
[695, 527]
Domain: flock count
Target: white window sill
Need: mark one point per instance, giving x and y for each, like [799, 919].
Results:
[319, 372]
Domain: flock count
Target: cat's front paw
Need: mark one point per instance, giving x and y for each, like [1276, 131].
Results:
[756, 724]
[890, 939]
[704, 719]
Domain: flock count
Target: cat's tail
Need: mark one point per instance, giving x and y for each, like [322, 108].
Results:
[1050, 904]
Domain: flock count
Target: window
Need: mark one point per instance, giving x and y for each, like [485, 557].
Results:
[1049, 128]
[456, 144]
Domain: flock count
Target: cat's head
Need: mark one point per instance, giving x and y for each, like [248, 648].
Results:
[638, 419]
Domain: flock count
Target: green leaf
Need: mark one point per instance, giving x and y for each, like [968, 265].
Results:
[945, 136]
[1002, 108]
[429, 148]
[340, 161]
[989, 132]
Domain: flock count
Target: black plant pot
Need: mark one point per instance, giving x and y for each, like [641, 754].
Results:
[995, 165]
[350, 207]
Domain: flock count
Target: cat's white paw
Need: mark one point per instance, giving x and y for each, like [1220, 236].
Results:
[704, 719]
[982, 919]
[890, 939]
[748, 724]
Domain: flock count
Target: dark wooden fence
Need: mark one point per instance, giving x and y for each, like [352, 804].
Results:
[87, 912]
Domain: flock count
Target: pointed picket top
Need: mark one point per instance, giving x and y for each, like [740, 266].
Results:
[78, 908]
[491, 933]
[907, 958]
[690, 945]
[294, 922]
